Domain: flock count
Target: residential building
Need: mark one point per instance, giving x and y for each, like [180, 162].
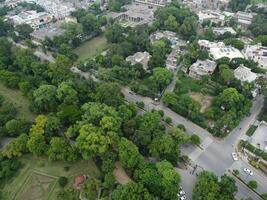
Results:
[258, 53]
[209, 15]
[11, 3]
[215, 4]
[135, 13]
[244, 74]
[227, 51]
[51, 31]
[154, 2]
[58, 8]
[139, 58]
[206, 44]
[244, 18]
[31, 17]
[223, 30]
[202, 68]
[172, 61]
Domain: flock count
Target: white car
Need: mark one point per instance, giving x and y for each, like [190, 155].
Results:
[182, 198]
[182, 192]
[235, 156]
[248, 171]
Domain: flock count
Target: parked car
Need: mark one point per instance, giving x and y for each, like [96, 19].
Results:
[235, 156]
[248, 171]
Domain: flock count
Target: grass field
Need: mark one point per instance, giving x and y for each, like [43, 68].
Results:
[19, 101]
[91, 48]
[37, 180]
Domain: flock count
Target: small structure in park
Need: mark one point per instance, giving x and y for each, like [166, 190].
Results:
[79, 181]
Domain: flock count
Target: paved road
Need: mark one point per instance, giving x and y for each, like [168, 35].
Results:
[215, 154]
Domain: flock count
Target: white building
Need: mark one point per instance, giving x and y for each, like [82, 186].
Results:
[34, 19]
[256, 53]
[135, 14]
[244, 74]
[202, 68]
[244, 18]
[208, 15]
[223, 30]
[154, 2]
[206, 44]
[58, 8]
[139, 57]
[227, 51]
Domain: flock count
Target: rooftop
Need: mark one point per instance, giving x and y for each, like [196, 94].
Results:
[244, 74]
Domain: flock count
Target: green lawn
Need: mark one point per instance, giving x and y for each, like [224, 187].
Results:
[19, 101]
[91, 48]
[37, 180]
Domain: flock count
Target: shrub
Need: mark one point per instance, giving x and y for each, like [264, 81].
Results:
[168, 120]
[62, 181]
[253, 184]
[182, 127]
[195, 139]
[236, 172]
[264, 195]
[140, 104]
[251, 130]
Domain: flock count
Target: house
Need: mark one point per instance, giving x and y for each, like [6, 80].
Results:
[160, 3]
[135, 13]
[215, 4]
[206, 44]
[209, 15]
[227, 51]
[35, 19]
[244, 18]
[223, 30]
[139, 57]
[257, 53]
[172, 61]
[202, 68]
[51, 31]
[244, 74]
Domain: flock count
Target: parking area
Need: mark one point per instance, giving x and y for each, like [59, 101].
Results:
[259, 138]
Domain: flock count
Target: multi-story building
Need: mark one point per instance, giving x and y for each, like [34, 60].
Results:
[258, 53]
[202, 68]
[154, 2]
[31, 17]
[244, 18]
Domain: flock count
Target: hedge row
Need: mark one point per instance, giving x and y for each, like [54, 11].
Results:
[253, 149]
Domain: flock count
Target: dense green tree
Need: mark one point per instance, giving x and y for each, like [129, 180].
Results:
[131, 191]
[90, 23]
[161, 77]
[17, 147]
[66, 93]
[10, 79]
[45, 98]
[92, 141]
[238, 5]
[16, 127]
[235, 43]
[37, 145]
[129, 155]
[24, 30]
[60, 149]
[109, 94]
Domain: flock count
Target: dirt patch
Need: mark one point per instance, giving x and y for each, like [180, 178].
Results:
[120, 174]
[204, 100]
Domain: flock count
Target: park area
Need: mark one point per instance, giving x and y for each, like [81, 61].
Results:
[91, 48]
[21, 103]
[38, 178]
